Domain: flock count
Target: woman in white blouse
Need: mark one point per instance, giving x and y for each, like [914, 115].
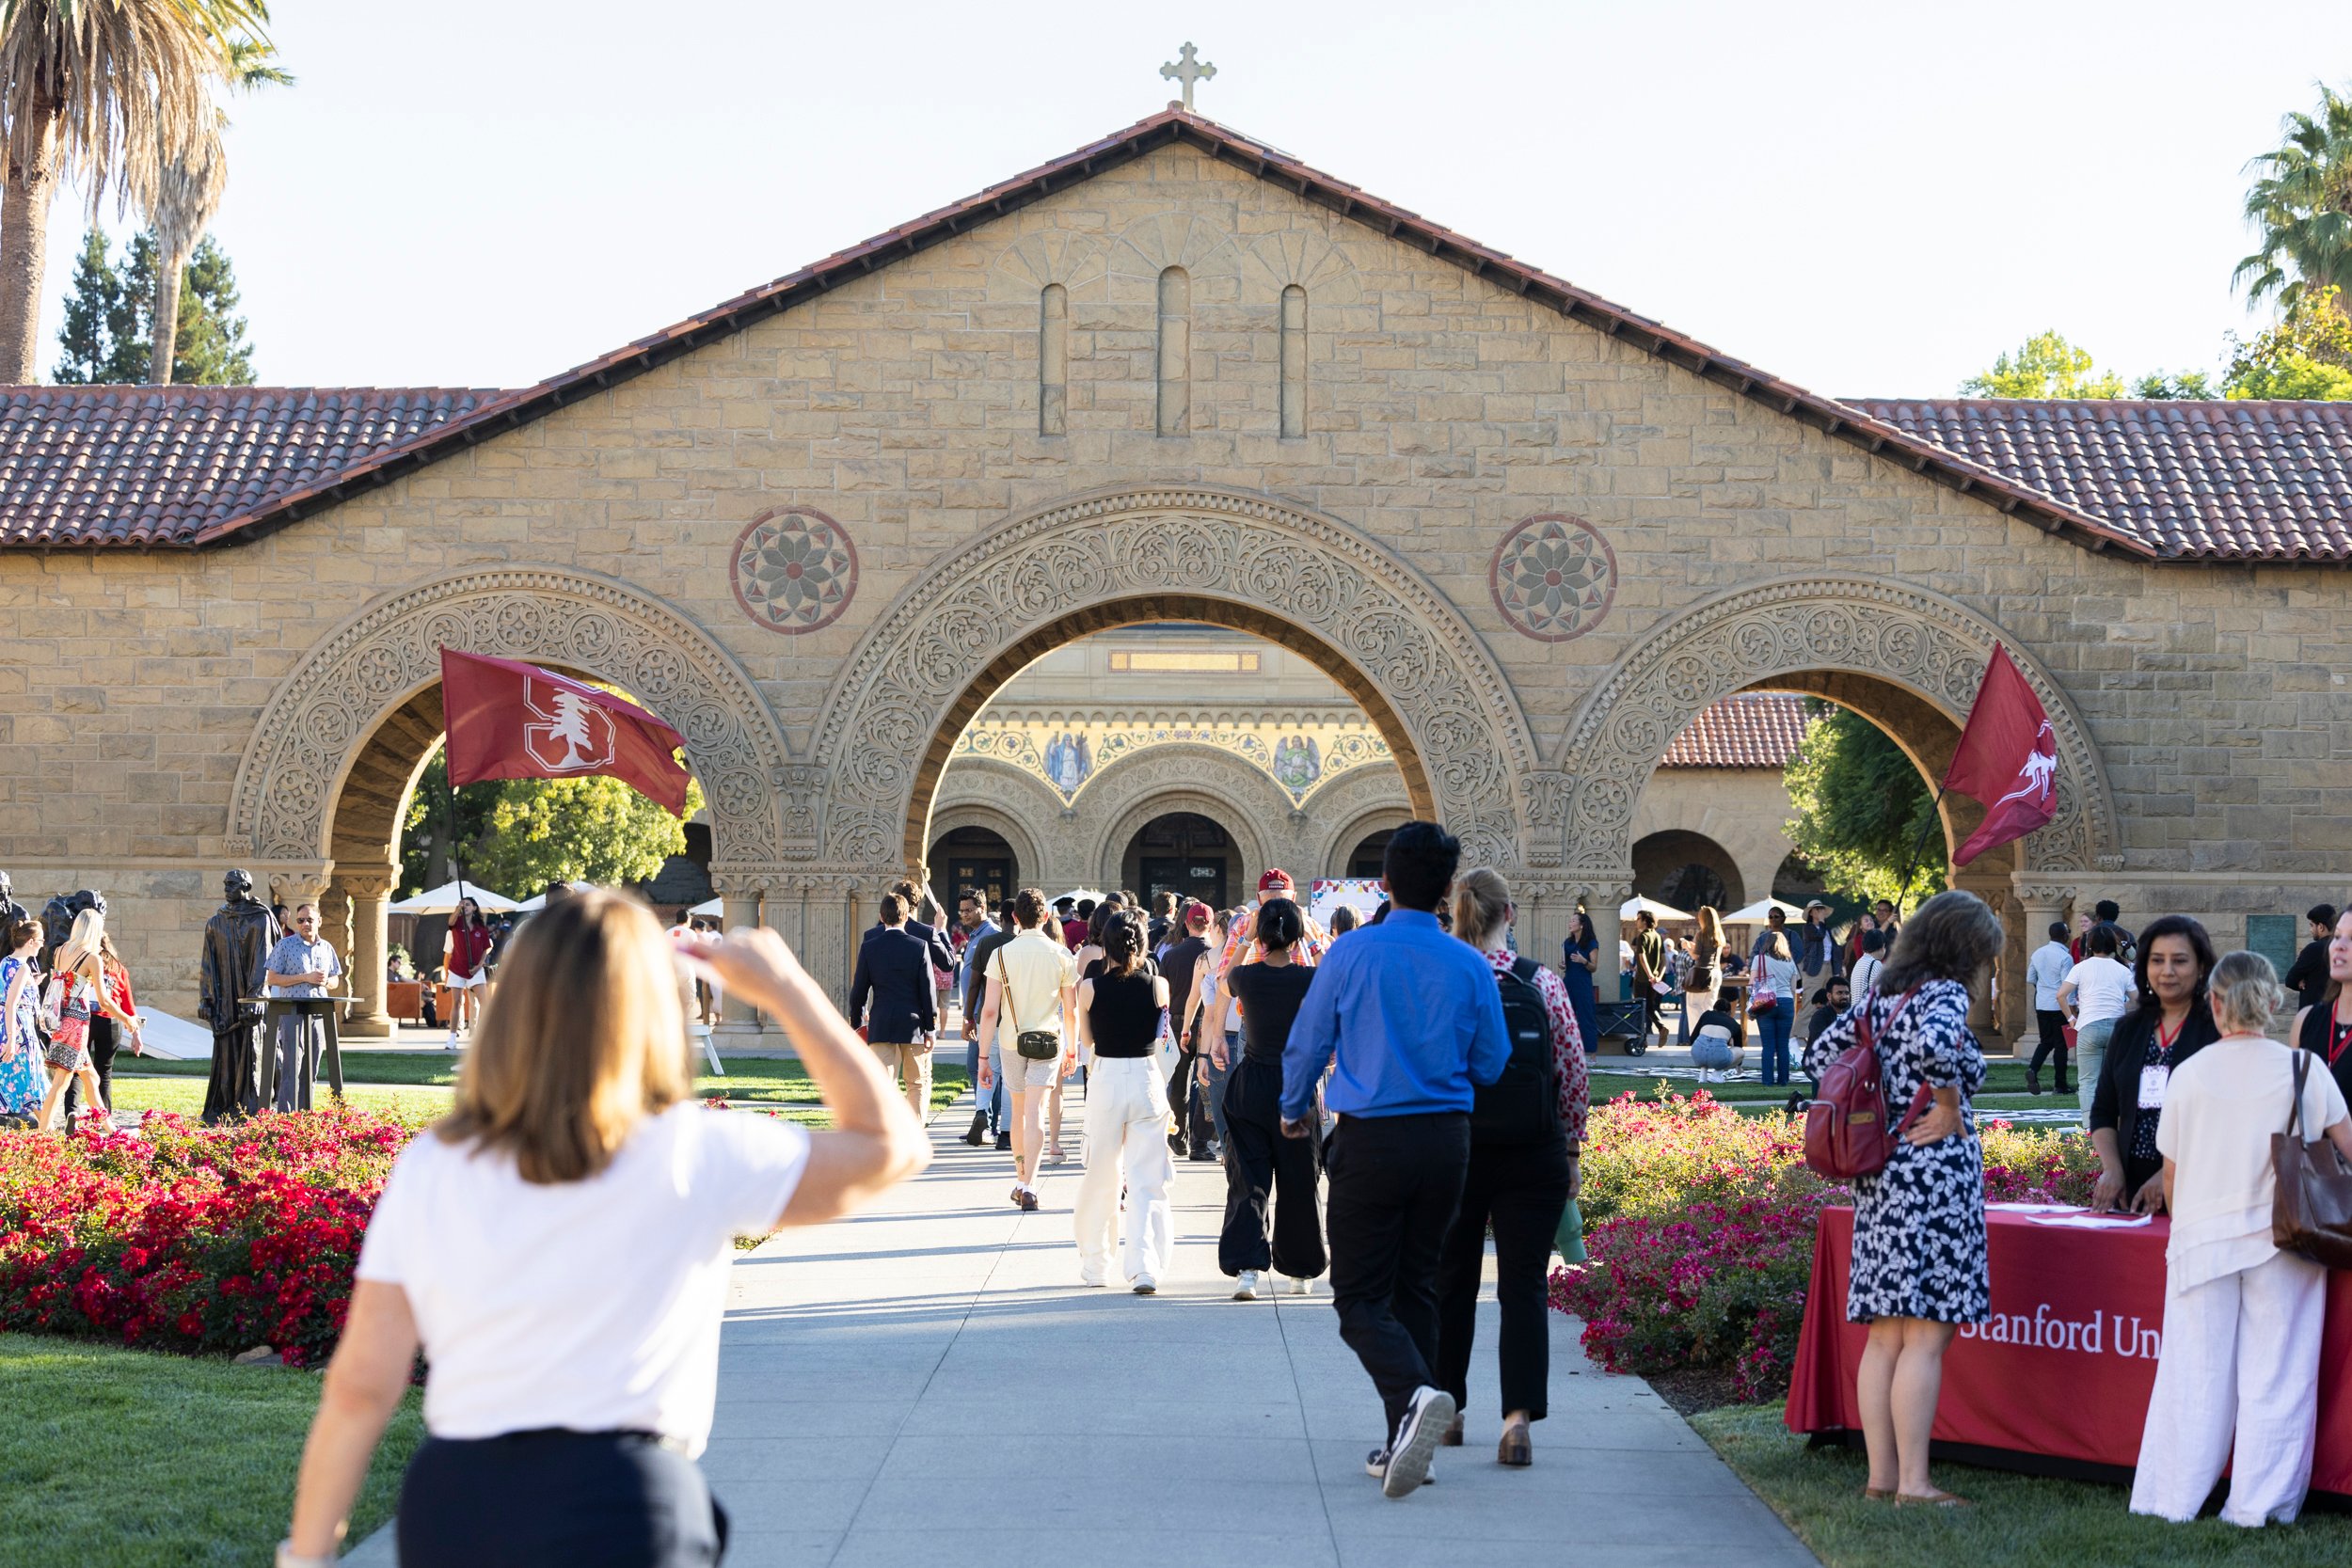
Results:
[2242, 1319]
[558, 1247]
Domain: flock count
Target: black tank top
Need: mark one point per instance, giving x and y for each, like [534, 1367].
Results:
[2320, 1032]
[1269, 995]
[1126, 1014]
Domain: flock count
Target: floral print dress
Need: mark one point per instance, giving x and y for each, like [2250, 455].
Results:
[1919, 1225]
[22, 1082]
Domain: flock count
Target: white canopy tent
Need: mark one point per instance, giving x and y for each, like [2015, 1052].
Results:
[444, 900]
[1632, 906]
[1078, 894]
[1761, 911]
[715, 909]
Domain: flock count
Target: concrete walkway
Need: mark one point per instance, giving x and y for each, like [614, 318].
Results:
[929, 1384]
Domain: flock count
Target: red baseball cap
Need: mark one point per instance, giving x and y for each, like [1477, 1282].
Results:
[1276, 878]
[1197, 916]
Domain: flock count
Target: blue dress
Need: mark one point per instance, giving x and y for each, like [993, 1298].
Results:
[1580, 980]
[23, 1083]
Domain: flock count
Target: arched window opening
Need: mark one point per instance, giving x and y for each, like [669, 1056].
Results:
[1053, 361]
[1175, 402]
[1294, 361]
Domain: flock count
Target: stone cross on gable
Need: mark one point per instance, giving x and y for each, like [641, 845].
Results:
[1188, 70]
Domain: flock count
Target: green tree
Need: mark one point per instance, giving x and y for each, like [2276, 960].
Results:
[108, 335]
[91, 305]
[2301, 207]
[2307, 355]
[1861, 808]
[521, 837]
[2047, 366]
[2188, 384]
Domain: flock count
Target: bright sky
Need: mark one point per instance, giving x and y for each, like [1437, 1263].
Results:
[1869, 198]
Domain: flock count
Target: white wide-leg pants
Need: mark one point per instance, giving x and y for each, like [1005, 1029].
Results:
[2240, 1354]
[1126, 1134]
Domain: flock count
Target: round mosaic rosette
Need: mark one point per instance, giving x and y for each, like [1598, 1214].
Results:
[795, 570]
[1553, 577]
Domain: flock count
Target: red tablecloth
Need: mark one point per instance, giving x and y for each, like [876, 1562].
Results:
[2065, 1366]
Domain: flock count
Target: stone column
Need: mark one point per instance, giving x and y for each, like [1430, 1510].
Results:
[1993, 889]
[2039, 901]
[368, 892]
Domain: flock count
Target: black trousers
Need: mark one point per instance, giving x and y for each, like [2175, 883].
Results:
[1262, 1166]
[1653, 1012]
[102, 1046]
[2052, 1027]
[1521, 1190]
[1190, 1102]
[1396, 1182]
[566, 1500]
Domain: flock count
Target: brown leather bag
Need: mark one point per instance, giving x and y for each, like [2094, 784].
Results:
[2310, 1203]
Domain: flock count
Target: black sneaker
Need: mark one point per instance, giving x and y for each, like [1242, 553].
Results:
[1004, 1142]
[1416, 1437]
[979, 1128]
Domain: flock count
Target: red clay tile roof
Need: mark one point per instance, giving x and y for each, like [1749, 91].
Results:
[2206, 480]
[205, 519]
[83, 466]
[1758, 729]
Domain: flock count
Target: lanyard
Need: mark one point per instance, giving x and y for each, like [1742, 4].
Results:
[2339, 1036]
[2164, 1042]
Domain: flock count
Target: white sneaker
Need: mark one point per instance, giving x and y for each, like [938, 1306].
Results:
[1246, 1286]
[1417, 1438]
[1293, 1286]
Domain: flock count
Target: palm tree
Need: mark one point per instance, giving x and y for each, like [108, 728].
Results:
[107, 91]
[2302, 208]
[187, 193]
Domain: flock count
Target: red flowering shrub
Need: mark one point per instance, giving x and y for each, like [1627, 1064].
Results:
[1699, 1231]
[190, 1238]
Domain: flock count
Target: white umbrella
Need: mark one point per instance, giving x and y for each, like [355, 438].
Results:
[1761, 911]
[715, 908]
[1632, 906]
[1078, 894]
[532, 905]
[444, 900]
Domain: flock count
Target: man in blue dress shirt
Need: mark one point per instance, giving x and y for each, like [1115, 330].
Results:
[1415, 1020]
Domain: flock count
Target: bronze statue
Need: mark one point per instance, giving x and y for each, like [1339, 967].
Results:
[237, 940]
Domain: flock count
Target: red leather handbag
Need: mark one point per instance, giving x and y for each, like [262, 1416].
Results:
[1846, 1127]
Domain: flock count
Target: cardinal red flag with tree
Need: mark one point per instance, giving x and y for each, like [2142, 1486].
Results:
[507, 720]
[2008, 759]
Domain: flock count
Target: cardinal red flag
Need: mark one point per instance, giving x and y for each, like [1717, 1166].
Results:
[2008, 759]
[507, 720]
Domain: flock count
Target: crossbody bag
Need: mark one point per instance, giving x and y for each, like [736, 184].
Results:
[1035, 1045]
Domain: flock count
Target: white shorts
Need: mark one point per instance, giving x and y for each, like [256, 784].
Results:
[465, 982]
[1020, 1073]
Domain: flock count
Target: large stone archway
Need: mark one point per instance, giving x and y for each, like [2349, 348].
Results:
[1908, 660]
[1249, 561]
[327, 769]
[366, 671]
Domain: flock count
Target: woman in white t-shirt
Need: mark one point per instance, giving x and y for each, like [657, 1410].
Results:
[2095, 994]
[2242, 1319]
[558, 1247]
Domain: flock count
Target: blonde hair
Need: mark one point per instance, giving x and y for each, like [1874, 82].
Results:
[1711, 923]
[581, 1038]
[1482, 901]
[2243, 990]
[83, 948]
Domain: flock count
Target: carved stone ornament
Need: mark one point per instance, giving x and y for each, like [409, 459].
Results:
[1922, 642]
[344, 688]
[1259, 555]
[794, 570]
[1552, 577]
[2043, 895]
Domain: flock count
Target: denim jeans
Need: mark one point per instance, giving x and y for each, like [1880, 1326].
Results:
[995, 1105]
[2090, 1059]
[1773, 1029]
[1217, 1087]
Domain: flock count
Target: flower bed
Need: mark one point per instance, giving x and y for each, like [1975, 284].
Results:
[1699, 1230]
[193, 1238]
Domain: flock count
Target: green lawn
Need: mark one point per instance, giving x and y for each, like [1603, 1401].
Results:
[416, 1084]
[114, 1457]
[2018, 1521]
[2004, 1088]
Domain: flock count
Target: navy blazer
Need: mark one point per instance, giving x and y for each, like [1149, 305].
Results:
[894, 972]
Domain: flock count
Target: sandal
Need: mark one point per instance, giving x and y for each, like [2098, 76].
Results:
[1931, 1499]
[1878, 1494]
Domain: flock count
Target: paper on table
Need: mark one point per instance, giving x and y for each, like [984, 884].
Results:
[2093, 1222]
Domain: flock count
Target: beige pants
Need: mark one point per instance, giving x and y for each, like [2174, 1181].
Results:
[911, 1066]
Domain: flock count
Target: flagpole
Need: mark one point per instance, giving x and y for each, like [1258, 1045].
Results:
[1918, 846]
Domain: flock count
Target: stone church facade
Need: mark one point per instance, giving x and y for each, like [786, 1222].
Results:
[1177, 376]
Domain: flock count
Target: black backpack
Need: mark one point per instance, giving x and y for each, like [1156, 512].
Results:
[1524, 1106]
